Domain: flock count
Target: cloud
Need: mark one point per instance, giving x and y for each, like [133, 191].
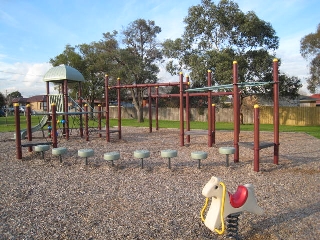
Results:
[23, 77]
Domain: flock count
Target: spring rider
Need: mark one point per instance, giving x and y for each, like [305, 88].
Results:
[225, 205]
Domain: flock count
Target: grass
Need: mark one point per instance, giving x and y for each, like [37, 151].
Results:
[8, 125]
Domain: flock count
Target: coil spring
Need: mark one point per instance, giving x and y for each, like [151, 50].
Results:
[232, 226]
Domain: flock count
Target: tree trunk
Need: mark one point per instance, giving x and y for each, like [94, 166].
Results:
[140, 114]
[137, 97]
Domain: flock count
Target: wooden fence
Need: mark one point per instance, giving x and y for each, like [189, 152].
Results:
[297, 116]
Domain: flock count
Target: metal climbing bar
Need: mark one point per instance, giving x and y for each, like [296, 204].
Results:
[228, 86]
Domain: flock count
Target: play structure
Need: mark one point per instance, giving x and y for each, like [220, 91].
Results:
[149, 87]
[184, 95]
[256, 145]
[62, 75]
[225, 205]
[35, 128]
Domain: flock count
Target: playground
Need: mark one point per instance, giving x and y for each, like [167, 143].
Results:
[43, 198]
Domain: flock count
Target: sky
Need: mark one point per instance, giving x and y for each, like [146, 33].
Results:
[32, 32]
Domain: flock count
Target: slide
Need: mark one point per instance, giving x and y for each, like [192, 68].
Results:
[36, 127]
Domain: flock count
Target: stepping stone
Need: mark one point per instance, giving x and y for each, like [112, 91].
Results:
[111, 156]
[141, 154]
[59, 152]
[169, 154]
[42, 149]
[85, 153]
[227, 151]
[199, 155]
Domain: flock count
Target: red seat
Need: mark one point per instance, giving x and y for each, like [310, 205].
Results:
[239, 197]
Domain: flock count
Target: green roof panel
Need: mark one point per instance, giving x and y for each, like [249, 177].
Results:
[63, 72]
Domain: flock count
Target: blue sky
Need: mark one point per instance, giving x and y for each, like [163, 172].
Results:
[32, 32]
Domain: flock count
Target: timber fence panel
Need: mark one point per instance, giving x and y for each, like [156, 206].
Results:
[296, 116]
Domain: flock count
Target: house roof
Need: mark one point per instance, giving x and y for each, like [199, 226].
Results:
[303, 98]
[317, 97]
[63, 72]
[20, 100]
[37, 98]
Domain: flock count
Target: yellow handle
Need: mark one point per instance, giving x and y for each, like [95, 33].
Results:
[221, 212]
[203, 209]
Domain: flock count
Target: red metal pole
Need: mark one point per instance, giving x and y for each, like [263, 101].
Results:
[157, 108]
[54, 132]
[236, 117]
[276, 111]
[86, 122]
[80, 104]
[188, 108]
[150, 109]
[148, 85]
[119, 108]
[48, 109]
[181, 111]
[47, 97]
[256, 141]
[99, 120]
[106, 89]
[18, 133]
[213, 121]
[209, 111]
[29, 132]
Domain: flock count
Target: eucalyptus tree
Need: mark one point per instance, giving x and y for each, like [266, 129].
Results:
[217, 34]
[135, 56]
[2, 100]
[310, 50]
[87, 59]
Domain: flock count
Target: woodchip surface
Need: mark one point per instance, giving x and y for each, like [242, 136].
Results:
[44, 199]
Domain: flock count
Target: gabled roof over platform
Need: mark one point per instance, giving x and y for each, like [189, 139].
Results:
[63, 72]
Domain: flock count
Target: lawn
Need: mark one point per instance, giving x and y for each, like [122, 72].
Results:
[7, 124]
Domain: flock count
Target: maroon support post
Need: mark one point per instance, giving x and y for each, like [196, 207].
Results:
[106, 89]
[256, 141]
[276, 112]
[236, 117]
[119, 108]
[80, 110]
[213, 125]
[181, 111]
[54, 132]
[18, 133]
[209, 112]
[188, 109]
[29, 132]
[86, 122]
[157, 108]
[150, 109]
[99, 120]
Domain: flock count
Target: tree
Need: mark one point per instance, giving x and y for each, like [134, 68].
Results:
[136, 62]
[310, 50]
[11, 96]
[214, 36]
[15, 94]
[2, 100]
[87, 60]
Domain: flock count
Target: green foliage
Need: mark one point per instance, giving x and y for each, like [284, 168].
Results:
[217, 34]
[2, 100]
[15, 94]
[136, 62]
[310, 50]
